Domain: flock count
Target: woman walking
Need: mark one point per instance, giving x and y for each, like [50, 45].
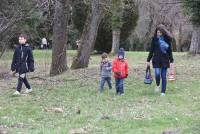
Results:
[162, 57]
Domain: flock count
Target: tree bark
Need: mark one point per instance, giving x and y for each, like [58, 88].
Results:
[195, 43]
[115, 41]
[89, 35]
[59, 61]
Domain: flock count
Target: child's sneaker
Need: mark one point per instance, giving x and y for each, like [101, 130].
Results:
[122, 94]
[162, 94]
[117, 93]
[28, 91]
[16, 93]
[157, 89]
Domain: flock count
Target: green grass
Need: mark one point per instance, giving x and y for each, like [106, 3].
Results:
[139, 111]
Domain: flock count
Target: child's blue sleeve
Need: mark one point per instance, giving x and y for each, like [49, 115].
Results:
[109, 66]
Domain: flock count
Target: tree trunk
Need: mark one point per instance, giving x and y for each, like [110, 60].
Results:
[59, 61]
[195, 43]
[115, 40]
[89, 35]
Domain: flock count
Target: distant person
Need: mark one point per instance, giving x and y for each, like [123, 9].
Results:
[78, 44]
[22, 63]
[120, 70]
[105, 72]
[162, 58]
[44, 43]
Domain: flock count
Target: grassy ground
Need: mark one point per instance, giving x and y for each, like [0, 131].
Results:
[70, 103]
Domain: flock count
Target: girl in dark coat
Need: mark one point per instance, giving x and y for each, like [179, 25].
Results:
[161, 55]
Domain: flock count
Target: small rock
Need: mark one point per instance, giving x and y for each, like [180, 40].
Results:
[78, 111]
[105, 117]
[56, 110]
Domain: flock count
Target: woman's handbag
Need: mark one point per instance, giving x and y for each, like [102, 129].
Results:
[172, 73]
[148, 78]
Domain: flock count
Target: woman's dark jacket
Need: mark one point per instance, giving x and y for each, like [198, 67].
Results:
[160, 59]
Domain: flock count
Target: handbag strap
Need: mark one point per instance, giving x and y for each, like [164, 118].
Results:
[172, 70]
[148, 69]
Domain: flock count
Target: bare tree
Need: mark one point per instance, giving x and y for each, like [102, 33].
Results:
[167, 12]
[115, 40]
[117, 13]
[89, 35]
[59, 61]
[195, 43]
[11, 13]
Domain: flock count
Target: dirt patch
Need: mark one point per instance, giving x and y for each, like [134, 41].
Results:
[3, 132]
[4, 73]
[87, 73]
[19, 125]
[177, 130]
[3, 129]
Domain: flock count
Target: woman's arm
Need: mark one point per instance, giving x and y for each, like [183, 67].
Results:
[151, 51]
[171, 59]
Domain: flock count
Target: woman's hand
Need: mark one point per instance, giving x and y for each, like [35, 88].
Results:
[171, 65]
[148, 63]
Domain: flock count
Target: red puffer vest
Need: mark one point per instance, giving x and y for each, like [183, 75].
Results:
[120, 66]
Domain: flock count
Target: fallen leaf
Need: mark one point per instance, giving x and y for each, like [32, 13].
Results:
[56, 110]
[78, 131]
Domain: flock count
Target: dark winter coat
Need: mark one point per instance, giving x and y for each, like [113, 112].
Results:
[23, 60]
[160, 59]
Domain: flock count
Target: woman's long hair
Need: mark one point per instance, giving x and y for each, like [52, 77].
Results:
[164, 33]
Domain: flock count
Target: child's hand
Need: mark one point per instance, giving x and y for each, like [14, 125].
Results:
[13, 73]
[108, 68]
[118, 73]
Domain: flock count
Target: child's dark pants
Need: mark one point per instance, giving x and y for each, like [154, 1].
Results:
[22, 79]
[119, 85]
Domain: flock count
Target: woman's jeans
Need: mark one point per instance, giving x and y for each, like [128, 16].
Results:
[161, 73]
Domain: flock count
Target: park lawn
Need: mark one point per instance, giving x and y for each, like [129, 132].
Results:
[70, 102]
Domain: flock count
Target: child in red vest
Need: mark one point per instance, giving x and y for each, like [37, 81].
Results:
[120, 70]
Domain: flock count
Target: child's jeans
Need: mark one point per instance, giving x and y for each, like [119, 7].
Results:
[22, 79]
[119, 85]
[161, 72]
[102, 82]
